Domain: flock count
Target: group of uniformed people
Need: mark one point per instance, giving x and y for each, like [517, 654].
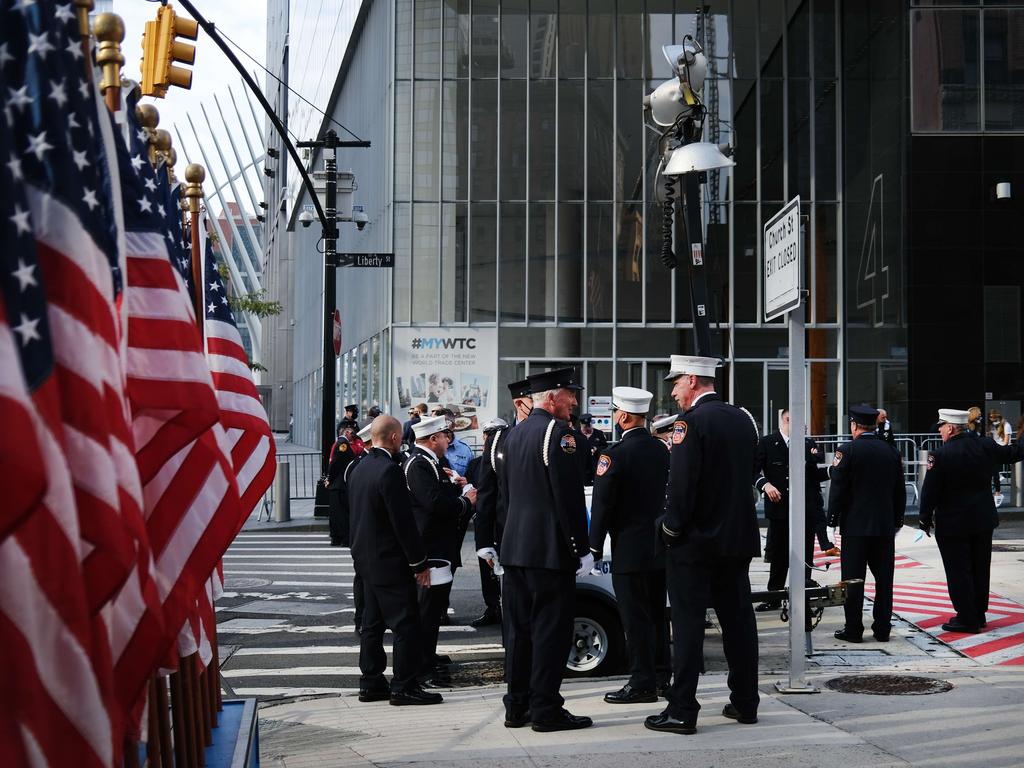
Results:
[682, 522]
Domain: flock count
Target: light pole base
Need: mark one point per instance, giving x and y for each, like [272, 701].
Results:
[785, 687]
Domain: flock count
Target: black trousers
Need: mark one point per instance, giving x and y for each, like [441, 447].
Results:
[390, 606]
[490, 585]
[967, 560]
[877, 553]
[358, 597]
[724, 585]
[337, 516]
[641, 600]
[433, 605]
[776, 550]
[538, 618]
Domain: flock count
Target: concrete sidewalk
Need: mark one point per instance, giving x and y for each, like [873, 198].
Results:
[977, 723]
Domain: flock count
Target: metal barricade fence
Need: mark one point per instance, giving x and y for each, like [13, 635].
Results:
[304, 474]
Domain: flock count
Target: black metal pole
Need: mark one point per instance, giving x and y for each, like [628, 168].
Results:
[690, 246]
[327, 405]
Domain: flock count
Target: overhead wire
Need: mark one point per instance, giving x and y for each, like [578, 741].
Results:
[290, 89]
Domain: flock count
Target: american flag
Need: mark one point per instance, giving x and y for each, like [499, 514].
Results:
[66, 555]
[184, 456]
[241, 411]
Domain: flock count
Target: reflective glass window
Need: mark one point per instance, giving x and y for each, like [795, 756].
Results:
[486, 45]
[483, 249]
[403, 263]
[659, 31]
[572, 38]
[945, 70]
[600, 139]
[403, 140]
[771, 140]
[630, 262]
[629, 140]
[403, 39]
[826, 141]
[456, 38]
[513, 140]
[543, 37]
[600, 259]
[1004, 70]
[455, 137]
[799, 159]
[601, 38]
[658, 279]
[512, 292]
[426, 155]
[570, 276]
[483, 140]
[454, 255]
[515, 27]
[630, 40]
[427, 50]
[746, 265]
[570, 140]
[542, 139]
[542, 255]
[426, 268]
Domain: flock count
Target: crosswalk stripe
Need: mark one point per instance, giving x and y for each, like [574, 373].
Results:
[334, 550]
[278, 557]
[289, 672]
[299, 629]
[232, 572]
[274, 692]
[324, 650]
[342, 584]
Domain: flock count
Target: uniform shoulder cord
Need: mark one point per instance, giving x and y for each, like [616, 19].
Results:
[546, 450]
[409, 464]
[494, 449]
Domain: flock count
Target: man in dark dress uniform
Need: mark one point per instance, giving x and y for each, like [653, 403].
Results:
[866, 502]
[441, 512]
[629, 495]
[344, 451]
[956, 499]
[710, 527]
[490, 504]
[544, 545]
[773, 468]
[597, 441]
[389, 553]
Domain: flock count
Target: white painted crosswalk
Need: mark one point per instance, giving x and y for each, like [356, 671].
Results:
[285, 620]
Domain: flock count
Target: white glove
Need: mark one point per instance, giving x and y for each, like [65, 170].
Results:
[498, 570]
[595, 571]
[586, 564]
[831, 533]
[487, 553]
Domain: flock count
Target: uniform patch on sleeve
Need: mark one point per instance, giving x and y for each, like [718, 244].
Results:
[342, 447]
[931, 461]
[603, 464]
[838, 458]
[568, 443]
[679, 432]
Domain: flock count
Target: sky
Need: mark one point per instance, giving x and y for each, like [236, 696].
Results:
[245, 23]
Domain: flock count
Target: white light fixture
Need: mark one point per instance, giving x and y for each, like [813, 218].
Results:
[696, 157]
[1003, 190]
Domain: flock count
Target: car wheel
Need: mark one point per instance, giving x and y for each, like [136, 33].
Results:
[598, 642]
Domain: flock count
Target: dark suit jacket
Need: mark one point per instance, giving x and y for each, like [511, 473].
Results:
[342, 456]
[957, 491]
[868, 495]
[386, 545]
[490, 501]
[773, 467]
[440, 509]
[710, 505]
[629, 495]
[546, 521]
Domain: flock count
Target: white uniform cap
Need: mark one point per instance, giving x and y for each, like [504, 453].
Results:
[631, 399]
[691, 365]
[364, 433]
[664, 422]
[952, 416]
[430, 426]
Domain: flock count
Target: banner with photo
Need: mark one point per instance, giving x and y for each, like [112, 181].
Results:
[453, 367]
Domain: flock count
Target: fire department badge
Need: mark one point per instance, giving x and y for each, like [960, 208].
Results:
[342, 447]
[678, 432]
[603, 464]
[568, 443]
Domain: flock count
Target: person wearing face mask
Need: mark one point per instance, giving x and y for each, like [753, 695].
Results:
[544, 546]
[629, 494]
[490, 504]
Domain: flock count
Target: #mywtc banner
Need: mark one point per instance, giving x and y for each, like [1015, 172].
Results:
[456, 367]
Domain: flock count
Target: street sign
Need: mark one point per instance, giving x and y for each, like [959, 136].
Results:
[782, 268]
[600, 408]
[366, 260]
[337, 333]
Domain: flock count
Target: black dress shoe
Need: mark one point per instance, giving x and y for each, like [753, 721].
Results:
[442, 660]
[436, 681]
[415, 696]
[763, 607]
[369, 694]
[488, 618]
[335, 542]
[563, 721]
[668, 724]
[627, 694]
[732, 713]
[956, 626]
[517, 719]
[849, 637]
[880, 637]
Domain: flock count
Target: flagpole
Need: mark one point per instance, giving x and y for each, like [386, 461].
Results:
[195, 174]
[109, 31]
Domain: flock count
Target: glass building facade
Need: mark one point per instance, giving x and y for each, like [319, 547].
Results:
[521, 192]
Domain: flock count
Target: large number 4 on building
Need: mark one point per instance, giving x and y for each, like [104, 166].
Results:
[872, 271]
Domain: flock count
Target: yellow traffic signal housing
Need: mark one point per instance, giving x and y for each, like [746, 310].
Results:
[161, 49]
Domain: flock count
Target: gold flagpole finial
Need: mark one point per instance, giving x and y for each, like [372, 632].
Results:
[195, 175]
[149, 117]
[109, 31]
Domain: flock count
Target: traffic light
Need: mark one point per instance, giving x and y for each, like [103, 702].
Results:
[161, 49]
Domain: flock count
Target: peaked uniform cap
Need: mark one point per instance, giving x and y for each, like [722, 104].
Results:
[691, 365]
[864, 415]
[560, 378]
[664, 424]
[952, 416]
[519, 388]
[631, 399]
[430, 426]
[364, 433]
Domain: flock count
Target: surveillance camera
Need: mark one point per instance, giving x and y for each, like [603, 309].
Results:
[306, 218]
[360, 218]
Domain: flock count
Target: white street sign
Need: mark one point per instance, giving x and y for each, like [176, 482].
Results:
[783, 261]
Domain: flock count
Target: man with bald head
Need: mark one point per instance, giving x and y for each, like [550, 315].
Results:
[389, 554]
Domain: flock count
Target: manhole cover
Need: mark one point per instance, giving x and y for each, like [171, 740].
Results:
[1007, 547]
[889, 685]
[240, 582]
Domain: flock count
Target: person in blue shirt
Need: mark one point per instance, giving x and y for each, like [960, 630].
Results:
[459, 454]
